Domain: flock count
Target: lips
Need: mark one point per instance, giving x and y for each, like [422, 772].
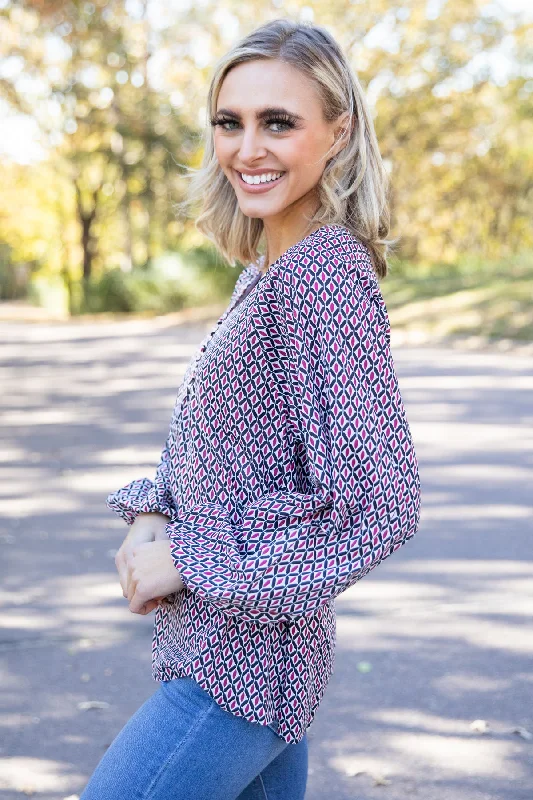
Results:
[256, 188]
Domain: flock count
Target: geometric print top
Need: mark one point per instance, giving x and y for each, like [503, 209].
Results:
[288, 474]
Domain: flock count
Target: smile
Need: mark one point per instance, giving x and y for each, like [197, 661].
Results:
[259, 183]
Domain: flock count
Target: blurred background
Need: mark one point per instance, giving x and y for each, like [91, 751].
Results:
[102, 103]
[105, 293]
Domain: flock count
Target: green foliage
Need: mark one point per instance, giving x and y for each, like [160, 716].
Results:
[203, 277]
[11, 287]
[470, 297]
[408, 281]
[119, 104]
[135, 291]
[171, 282]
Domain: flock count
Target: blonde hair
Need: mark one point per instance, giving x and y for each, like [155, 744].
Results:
[353, 188]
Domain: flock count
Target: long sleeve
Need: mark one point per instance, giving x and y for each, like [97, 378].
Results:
[144, 495]
[363, 503]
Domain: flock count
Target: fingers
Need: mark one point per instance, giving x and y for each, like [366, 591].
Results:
[124, 565]
[120, 564]
[147, 607]
[137, 586]
[139, 603]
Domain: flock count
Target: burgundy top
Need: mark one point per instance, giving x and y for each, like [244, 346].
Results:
[287, 475]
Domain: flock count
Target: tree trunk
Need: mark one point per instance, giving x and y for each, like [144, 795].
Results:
[86, 243]
[86, 219]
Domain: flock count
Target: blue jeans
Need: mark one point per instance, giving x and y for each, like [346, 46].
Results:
[181, 745]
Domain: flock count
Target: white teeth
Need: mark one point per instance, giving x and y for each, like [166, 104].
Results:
[253, 179]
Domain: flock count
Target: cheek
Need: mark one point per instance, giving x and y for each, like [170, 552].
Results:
[304, 153]
[223, 150]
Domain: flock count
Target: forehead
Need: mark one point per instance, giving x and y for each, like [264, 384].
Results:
[267, 82]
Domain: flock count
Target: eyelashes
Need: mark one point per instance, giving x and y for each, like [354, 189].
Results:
[287, 121]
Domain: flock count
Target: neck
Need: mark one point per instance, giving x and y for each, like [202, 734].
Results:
[282, 233]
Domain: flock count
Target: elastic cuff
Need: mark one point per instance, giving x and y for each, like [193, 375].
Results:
[140, 496]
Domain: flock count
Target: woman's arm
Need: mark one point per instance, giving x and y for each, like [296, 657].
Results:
[143, 496]
[147, 506]
[362, 465]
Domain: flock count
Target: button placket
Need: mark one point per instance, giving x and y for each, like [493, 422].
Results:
[187, 386]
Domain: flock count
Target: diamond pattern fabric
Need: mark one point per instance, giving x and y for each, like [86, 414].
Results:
[288, 474]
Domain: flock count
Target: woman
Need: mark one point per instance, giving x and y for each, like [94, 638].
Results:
[289, 471]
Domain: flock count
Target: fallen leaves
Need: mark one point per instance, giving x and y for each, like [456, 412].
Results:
[87, 705]
[377, 777]
[523, 733]
[480, 726]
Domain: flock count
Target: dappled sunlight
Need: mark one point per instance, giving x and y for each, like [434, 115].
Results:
[468, 438]
[26, 504]
[31, 775]
[97, 481]
[20, 620]
[77, 605]
[479, 472]
[8, 455]
[458, 755]
[382, 633]
[386, 610]
[408, 718]
[490, 511]
[356, 763]
[91, 588]
[431, 640]
[458, 684]
[474, 382]
[125, 456]
[46, 416]
[29, 595]
[469, 569]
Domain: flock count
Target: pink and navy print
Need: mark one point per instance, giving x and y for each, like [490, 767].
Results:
[288, 474]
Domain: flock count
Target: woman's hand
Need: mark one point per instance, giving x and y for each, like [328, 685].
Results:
[147, 527]
[152, 575]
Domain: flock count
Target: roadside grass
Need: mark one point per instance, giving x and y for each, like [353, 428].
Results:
[469, 299]
[493, 300]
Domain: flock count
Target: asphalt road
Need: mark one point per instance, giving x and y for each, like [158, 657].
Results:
[435, 638]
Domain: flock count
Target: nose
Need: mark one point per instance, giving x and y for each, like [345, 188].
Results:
[251, 147]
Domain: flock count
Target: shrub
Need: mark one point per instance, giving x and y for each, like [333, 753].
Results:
[134, 291]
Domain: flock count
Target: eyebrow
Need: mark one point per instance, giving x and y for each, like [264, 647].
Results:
[263, 113]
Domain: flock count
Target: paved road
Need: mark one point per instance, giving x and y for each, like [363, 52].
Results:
[437, 637]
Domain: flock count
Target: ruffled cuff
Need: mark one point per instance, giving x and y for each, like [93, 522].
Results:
[141, 496]
[204, 549]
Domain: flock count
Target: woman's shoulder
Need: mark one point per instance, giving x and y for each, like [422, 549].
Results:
[332, 253]
[328, 273]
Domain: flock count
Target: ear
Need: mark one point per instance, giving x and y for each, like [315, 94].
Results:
[342, 132]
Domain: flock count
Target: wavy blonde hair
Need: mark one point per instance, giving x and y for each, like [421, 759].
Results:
[353, 188]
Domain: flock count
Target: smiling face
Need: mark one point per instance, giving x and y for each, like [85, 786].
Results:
[269, 123]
